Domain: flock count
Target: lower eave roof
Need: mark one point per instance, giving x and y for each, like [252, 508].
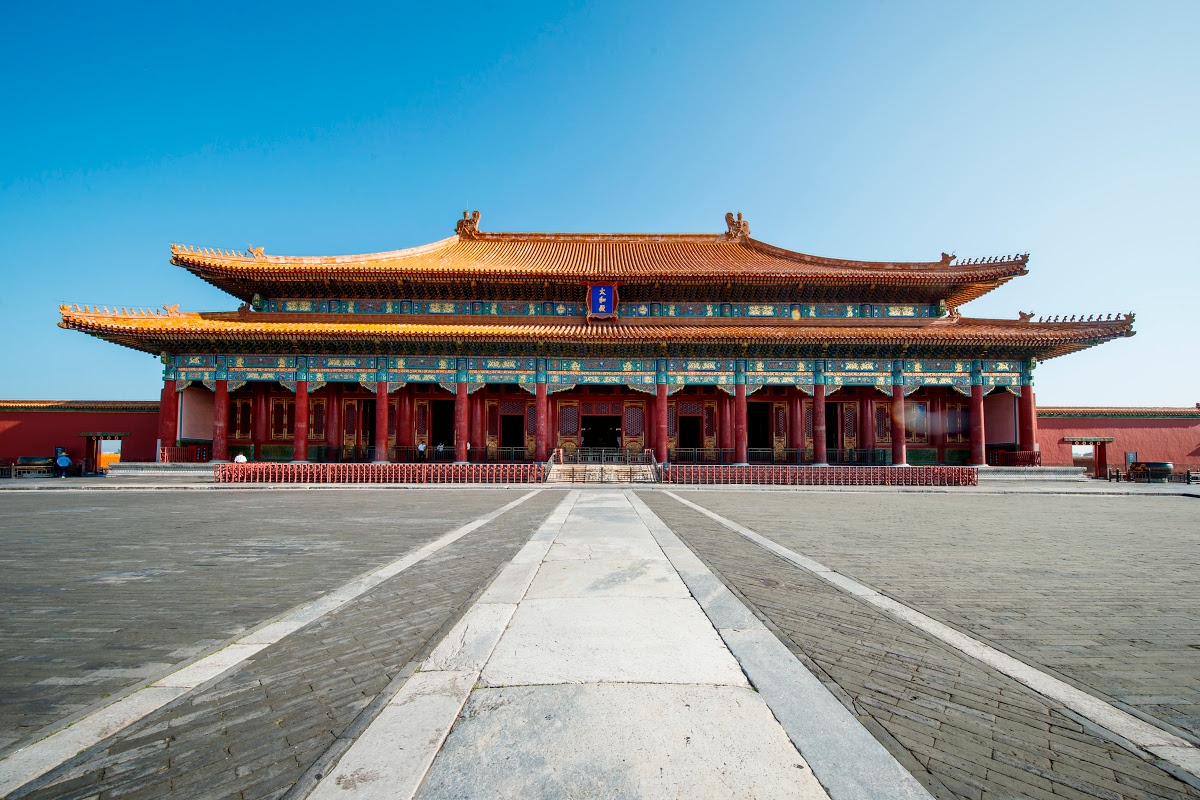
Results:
[173, 331]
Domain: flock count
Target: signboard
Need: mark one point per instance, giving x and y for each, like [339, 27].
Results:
[602, 300]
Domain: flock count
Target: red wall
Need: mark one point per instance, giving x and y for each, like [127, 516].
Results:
[1153, 439]
[37, 433]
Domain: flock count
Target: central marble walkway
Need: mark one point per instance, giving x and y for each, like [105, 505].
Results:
[587, 669]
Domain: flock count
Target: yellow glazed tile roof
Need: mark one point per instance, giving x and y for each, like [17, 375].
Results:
[513, 257]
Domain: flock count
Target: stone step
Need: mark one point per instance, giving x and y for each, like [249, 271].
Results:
[148, 469]
[1075, 474]
[601, 473]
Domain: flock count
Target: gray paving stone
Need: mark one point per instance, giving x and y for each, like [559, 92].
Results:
[101, 588]
[357, 650]
[920, 693]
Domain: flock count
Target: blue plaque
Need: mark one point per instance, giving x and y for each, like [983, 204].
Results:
[602, 300]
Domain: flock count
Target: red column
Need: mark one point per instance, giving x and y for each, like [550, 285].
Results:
[899, 445]
[477, 438]
[866, 425]
[259, 418]
[461, 430]
[1027, 425]
[542, 414]
[404, 426]
[820, 456]
[333, 416]
[726, 429]
[168, 417]
[220, 451]
[740, 456]
[660, 424]
[937, 421]
[790, 400]
[381, 422]
[300, 431]
[978, 448]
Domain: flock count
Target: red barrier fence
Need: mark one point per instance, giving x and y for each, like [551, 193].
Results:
[190, 454]
[267, 472]
[767, 475]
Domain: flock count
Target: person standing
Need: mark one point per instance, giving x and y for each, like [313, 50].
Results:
[421, 451]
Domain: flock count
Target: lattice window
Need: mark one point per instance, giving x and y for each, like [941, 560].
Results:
[849, 421]
[283, 418]
[493, 419]
[512, 406]
[687, 409]
[710, 421]
[530, 420]
[316, 418]
[633, 420]
[808, 421]
[780, 420]
[350, 419]
[422, 419]
[239, 419]
[587, 409]
[672, 420]
[916, 421]
[883, 423]
[391, 419]
[568, 420]
[958, 422]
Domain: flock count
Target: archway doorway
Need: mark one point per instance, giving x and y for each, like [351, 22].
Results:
[602, 432]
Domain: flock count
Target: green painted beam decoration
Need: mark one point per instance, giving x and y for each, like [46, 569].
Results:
[637, 373]
[576, 308]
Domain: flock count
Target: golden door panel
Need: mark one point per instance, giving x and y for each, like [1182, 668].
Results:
[916, 422]
[849, 413]
[350, 422]
[568, 425]
[634, 426]
[808, 424]
[283, 418]
[491, 414]
[883, 422]
[316, 419]
[779, 427]
[421, 422]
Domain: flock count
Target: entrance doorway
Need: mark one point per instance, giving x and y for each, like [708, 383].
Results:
[759, 435]
[601, 432]
[833, 431]
[512, 431]
[689, 433]
[441, 426]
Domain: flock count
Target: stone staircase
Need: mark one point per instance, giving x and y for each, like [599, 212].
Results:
[601, 473]
[999, 474]
[147, 469]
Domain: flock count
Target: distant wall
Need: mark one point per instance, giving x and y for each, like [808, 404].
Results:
[35, 428]
[1162, 434]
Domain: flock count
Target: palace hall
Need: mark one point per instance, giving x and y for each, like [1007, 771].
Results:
[705, 348]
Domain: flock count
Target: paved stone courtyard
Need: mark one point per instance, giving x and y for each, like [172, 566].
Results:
[104, 590]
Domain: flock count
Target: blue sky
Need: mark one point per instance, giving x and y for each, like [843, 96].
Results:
[872, 130]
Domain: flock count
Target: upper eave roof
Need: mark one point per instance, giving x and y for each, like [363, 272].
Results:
[473, 255]
[171, 330]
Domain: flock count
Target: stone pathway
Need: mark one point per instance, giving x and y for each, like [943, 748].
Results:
[591, 670]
